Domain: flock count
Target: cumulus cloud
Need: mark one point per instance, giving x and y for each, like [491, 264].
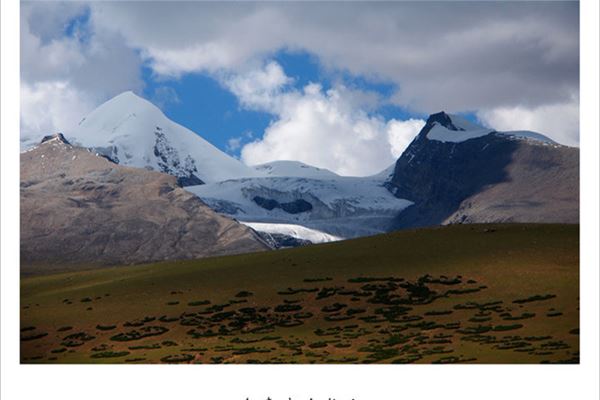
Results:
[558, 121]
[330, 129]
[401, 133]
[442, 55]
[64, 75]
[234, 143]
[258, 88]
[48, 106]
[505, 61]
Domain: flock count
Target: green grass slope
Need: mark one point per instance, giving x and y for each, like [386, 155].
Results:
[464, 293]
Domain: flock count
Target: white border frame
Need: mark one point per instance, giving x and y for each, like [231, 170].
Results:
[299, 382]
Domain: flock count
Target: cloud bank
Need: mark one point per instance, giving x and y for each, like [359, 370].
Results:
[331, 128]
[514, 64]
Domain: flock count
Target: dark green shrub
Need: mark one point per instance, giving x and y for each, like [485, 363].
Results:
[288, 308]
[110, 354]
[537, 297]
[199, 303]
[105, 327]
[137, 334]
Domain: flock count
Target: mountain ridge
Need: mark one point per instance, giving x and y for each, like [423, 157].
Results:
[487, 177]
[80, 208]
[454, 171]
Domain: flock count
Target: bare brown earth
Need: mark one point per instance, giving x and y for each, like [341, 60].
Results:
[80, 208]
[541, 185]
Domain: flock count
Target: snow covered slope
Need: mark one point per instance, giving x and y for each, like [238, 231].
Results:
[528, 135]
[294, 168]
[340, 206]
[132, 131]
[455, 129]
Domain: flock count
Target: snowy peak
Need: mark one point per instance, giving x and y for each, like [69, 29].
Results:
[131, 131]
[443, 119]
[294, 169]
[452, 122]
[452, 128]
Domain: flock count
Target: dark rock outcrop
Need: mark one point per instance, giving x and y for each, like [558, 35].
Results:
[292, 207]
[491, 178]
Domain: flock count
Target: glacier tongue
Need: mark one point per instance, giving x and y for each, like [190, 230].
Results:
[292, 230]
[132, 131]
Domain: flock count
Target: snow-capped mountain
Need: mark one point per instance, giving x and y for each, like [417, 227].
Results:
[132, 131]
[282, 198]
[453, 171]
[456, 171]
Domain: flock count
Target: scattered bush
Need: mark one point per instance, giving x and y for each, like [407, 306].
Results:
[76, 339]
[199, 303]
[287, 308]
[110, 354]
[143, 332]
[26, 338]
[333, 307]
[537, 297]
[105, 327]
[500, 328]
[310, 280]
[64, 328]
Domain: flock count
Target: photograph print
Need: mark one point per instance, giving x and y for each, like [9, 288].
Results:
[299, 182]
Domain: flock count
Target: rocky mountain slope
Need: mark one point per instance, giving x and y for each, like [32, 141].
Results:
[457, 172]
[81, 208]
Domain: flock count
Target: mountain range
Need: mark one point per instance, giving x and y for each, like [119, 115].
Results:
[128, 185]
[80, 208]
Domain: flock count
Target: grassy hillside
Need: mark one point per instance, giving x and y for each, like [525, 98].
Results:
[468, 293]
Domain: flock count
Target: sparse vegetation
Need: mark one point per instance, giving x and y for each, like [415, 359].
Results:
[414, 311]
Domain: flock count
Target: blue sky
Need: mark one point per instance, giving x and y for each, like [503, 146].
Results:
[205, 106]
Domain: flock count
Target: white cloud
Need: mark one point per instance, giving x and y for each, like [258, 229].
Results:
[258, 88]
[401, 133]
[234, 144]
[326, 128]
[527, 68]
[433, 52]
[64, 76]
[48, 106]
[558, 121]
